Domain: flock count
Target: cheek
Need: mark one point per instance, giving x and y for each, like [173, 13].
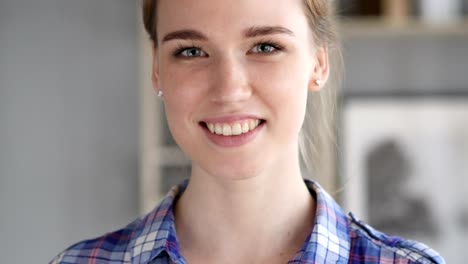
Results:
[178, 104]
[284, 87]
[182, 91]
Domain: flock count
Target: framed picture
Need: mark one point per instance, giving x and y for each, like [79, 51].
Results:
[405, 167]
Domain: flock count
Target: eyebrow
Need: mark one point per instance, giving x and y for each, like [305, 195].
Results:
[190, 34]
[267, 30]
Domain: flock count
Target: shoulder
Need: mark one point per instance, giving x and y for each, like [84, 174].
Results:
[371, 246]
[113, 247]
[136, 242]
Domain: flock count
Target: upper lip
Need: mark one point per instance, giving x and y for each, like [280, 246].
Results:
[229, 118]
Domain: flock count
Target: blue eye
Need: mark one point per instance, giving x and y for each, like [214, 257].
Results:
[189, 52]
[266, 47]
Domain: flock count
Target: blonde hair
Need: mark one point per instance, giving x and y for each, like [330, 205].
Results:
[317, 142]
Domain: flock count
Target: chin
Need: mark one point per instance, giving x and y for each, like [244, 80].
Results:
[233, 170]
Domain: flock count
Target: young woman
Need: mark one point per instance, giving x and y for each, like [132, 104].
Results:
[234, 77]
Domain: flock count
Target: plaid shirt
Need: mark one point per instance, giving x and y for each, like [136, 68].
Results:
[336, 238]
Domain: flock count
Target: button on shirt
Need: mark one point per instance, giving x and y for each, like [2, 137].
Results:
[336, 238]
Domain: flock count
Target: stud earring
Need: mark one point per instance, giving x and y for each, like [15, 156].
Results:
[318, 82]
[160, 93]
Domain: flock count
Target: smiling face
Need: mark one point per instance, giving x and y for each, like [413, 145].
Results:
[235, 76]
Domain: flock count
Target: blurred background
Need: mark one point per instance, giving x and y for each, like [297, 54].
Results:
[84, 145]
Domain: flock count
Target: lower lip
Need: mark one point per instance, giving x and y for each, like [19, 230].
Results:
[232, 141]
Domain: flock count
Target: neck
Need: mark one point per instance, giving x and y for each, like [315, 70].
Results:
[245, 217]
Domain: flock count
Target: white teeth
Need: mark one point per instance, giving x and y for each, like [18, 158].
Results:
[211, 127]
[234, 129]
[227, 130]
[252, 124]
[218, 129]
[245, 128]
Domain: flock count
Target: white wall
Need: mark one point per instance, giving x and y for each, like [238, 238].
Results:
[68, 123]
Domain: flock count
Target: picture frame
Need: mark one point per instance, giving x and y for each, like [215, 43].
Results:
[404, 166]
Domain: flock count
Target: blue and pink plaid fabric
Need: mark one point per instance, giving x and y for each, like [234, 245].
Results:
[336, 238]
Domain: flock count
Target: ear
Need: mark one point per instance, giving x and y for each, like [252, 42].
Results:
[155, 70]
[321, 70]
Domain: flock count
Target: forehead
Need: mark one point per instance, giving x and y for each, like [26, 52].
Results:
[226, 17]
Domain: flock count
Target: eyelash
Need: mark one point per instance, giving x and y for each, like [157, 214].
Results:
[278, 47]
[182, 48]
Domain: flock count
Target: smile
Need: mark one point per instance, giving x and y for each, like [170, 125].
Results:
[233, 129]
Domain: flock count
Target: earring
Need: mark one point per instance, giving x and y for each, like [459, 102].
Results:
[318, 82]
[160, 93]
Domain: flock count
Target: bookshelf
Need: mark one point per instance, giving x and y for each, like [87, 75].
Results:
[381, 27]
[402, 17]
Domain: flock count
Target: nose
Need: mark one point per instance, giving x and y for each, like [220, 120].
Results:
[231, 81]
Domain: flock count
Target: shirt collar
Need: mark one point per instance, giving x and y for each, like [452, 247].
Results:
[329, 240]
[156, 233]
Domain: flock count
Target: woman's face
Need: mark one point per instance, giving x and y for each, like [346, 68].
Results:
[235, 76]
